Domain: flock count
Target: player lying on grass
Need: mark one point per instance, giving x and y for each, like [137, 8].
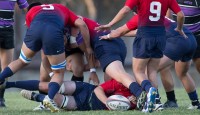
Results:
[178, 49]
[75, 95]
[74, 51]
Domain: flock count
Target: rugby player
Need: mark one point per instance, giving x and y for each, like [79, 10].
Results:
[45, 30]
[191, 11]
[150, 41]
[75, 95]
[173, 53]
[7, 34]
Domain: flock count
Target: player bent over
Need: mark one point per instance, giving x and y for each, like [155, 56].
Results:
[173, 52]
[45, 31]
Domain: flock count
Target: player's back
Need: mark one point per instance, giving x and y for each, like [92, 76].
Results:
[49, 9]
[91, 24]
[152, 12]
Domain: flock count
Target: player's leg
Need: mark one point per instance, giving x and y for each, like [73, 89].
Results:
[45, 70]
[139, 67]
[168, 83]
[152, 69]
[167, 80]
[188, 83]
[112, 56]
[196, 57]
[6, 56]
[6, 53]
[65, 102]
[58, 64]
[62, 101]
[23, 60]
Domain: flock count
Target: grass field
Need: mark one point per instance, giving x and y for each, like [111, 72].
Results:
[17, 105]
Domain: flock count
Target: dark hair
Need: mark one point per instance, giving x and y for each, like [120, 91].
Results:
[34, 4]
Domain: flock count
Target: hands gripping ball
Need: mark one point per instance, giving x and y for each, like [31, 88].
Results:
[118, 102]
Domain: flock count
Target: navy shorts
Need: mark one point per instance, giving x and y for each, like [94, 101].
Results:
[197, 52]
[149, 42]
[178, 48]
[107, 51]
[46, 31]
[7, 38]
[83, 94]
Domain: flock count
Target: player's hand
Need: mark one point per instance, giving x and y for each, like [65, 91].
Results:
[94, 78]
[103, 27]
[105, 37]
[89, 51]
[181, 32]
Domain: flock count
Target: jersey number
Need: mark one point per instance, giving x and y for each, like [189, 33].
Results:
[155, 8]
[47, 7]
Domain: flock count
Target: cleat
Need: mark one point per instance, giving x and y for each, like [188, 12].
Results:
[27, 94]
[192, 107]
[49, 103]
[2, 102]
[158, 107]
[150, 101]
[170, 104]
[41, 107]
[141, 100]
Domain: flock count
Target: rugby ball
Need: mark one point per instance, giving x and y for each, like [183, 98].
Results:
[118, 102]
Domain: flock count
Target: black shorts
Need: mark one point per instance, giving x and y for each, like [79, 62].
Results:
[7, 38]
[73, 51]
[197, 52]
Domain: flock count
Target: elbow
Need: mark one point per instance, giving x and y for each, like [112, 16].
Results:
[125, 9]
[180, 15]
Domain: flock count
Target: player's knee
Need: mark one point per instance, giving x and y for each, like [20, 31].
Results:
[62, 89]
[24, 58]
[59, 66]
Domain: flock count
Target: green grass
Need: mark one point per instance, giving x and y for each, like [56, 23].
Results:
[17, 105]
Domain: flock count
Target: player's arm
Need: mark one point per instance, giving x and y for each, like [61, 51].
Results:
[180, 20]
[169, 14]
[89, 52]
[23, 4]
[180, 17]
[120, 15]
[121, 31]
[124, 30]
[104, 89]
[99, 92]
[131, 33]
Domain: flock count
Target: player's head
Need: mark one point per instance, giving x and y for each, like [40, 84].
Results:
[34, 4]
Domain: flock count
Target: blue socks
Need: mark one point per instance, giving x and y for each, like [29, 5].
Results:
[135, 89]
[28, 85]
[7, 72]
[37, 97]
[193, 97]
[146, 85]
[53, 89]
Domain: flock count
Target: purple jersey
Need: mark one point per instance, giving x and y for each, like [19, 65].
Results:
[191, 9]
[7, 11]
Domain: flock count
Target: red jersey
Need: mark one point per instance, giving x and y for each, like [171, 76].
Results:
[152, 12]
[91, 25]
[68, 16]
[112, 87]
